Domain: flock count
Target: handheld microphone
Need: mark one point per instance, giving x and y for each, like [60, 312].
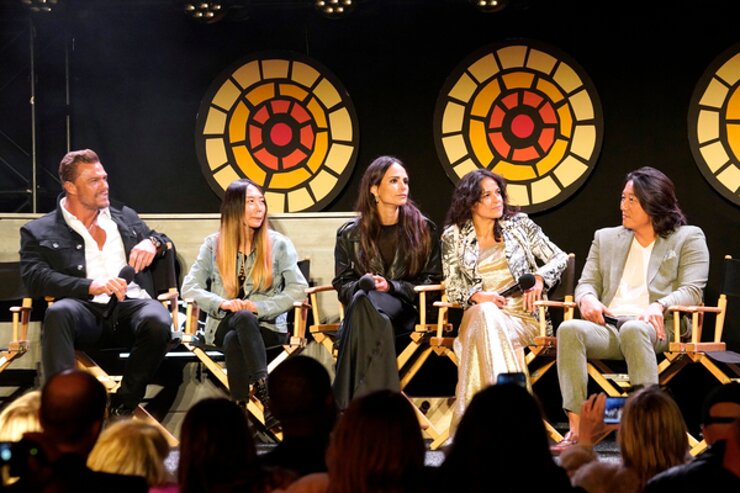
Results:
[525, 282]
[127, 273]
[367, 283]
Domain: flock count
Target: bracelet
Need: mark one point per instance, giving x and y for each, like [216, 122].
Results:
[155, 241]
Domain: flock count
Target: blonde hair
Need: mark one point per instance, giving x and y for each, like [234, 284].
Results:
[20, 416]
[232, 234]
[131, 447]
[652, 435]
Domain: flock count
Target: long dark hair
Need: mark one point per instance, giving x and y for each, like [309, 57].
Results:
[505, 414]
[468, 191]
[216, 448]
[376, 446]
[657, 197]
[415, 241]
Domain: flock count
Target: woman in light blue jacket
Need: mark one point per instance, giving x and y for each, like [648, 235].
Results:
[246, 278]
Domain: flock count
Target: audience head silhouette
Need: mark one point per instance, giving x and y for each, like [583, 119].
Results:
[131, 447]
[721, 412]
[20, 416]
[72, 411]
[652, 434]
[301, 396]
[376, 446]
[502, 436]
[217, 451]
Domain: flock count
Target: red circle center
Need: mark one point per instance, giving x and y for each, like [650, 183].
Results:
[281, 134]
[522, 126]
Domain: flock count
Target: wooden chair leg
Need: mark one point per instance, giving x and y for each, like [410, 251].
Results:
[112, 383]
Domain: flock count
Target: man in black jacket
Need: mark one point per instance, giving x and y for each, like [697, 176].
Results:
[84, 254]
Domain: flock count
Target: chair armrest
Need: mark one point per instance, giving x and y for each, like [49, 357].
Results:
[170, 295]
[694, 309]
[429, 287]
[555, 304]
[319, 289]
[446, 304]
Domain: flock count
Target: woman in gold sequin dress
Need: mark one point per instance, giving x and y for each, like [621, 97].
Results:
[486, 247]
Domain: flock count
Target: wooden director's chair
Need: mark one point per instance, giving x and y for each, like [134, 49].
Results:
[325, 333]
[543, 347]
[713, 355]
[216, 364]
[164, 275]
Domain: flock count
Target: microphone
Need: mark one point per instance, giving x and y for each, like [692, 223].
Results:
[127, 273]
[367, 283]
[525, 282]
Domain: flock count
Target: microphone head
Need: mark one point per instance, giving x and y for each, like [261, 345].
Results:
[127, 273]
[526, 281]
[367, 283]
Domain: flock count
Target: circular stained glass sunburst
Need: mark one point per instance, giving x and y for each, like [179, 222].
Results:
[714, 124]
[283, 121]
[524, 111]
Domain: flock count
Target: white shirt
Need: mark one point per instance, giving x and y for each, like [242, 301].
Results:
[632, 297]
[108, 261]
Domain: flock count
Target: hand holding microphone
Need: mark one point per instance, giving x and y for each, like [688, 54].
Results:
[370, 282]
[525, 282]
[367, 283]
[127, 275]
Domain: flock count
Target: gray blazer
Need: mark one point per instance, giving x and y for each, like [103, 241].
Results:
[288, 285]
[677, 271]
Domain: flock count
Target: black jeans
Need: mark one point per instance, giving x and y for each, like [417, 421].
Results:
[143, 325]
[245, 345]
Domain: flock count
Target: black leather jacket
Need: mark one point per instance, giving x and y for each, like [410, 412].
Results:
[347, 270]
[53, 254]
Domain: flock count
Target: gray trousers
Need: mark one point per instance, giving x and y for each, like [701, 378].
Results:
[635, 342]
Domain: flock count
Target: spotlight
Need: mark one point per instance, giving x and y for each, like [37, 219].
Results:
[41, 5]
[334, 9]
[490, 6]
[205, 11]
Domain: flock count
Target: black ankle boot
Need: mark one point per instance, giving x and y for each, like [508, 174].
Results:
[260, 391]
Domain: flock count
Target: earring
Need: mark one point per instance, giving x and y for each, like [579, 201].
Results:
[376, 199]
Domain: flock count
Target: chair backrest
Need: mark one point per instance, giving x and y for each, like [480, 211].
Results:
[11, 283]
[165, 270]
[564, 289]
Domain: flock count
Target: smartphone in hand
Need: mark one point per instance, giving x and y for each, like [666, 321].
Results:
[517, 378]
[613, 410]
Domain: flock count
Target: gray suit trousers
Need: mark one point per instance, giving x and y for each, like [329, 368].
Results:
[635, 342]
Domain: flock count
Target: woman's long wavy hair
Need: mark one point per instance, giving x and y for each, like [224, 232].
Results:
[468, 191]
[657, 197]
[232, 234]
[376, 446]
[652, 433]
[415, 241]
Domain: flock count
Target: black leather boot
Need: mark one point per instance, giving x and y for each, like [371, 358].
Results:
[260, 392]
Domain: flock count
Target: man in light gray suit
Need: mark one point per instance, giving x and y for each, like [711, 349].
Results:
[632, 274]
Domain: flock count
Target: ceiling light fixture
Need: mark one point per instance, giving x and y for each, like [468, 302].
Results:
[334, 9]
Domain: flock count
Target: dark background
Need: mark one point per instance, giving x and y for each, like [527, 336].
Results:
[138, 70]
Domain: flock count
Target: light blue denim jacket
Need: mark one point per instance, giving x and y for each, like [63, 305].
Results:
[524, 244]
[288, 285]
